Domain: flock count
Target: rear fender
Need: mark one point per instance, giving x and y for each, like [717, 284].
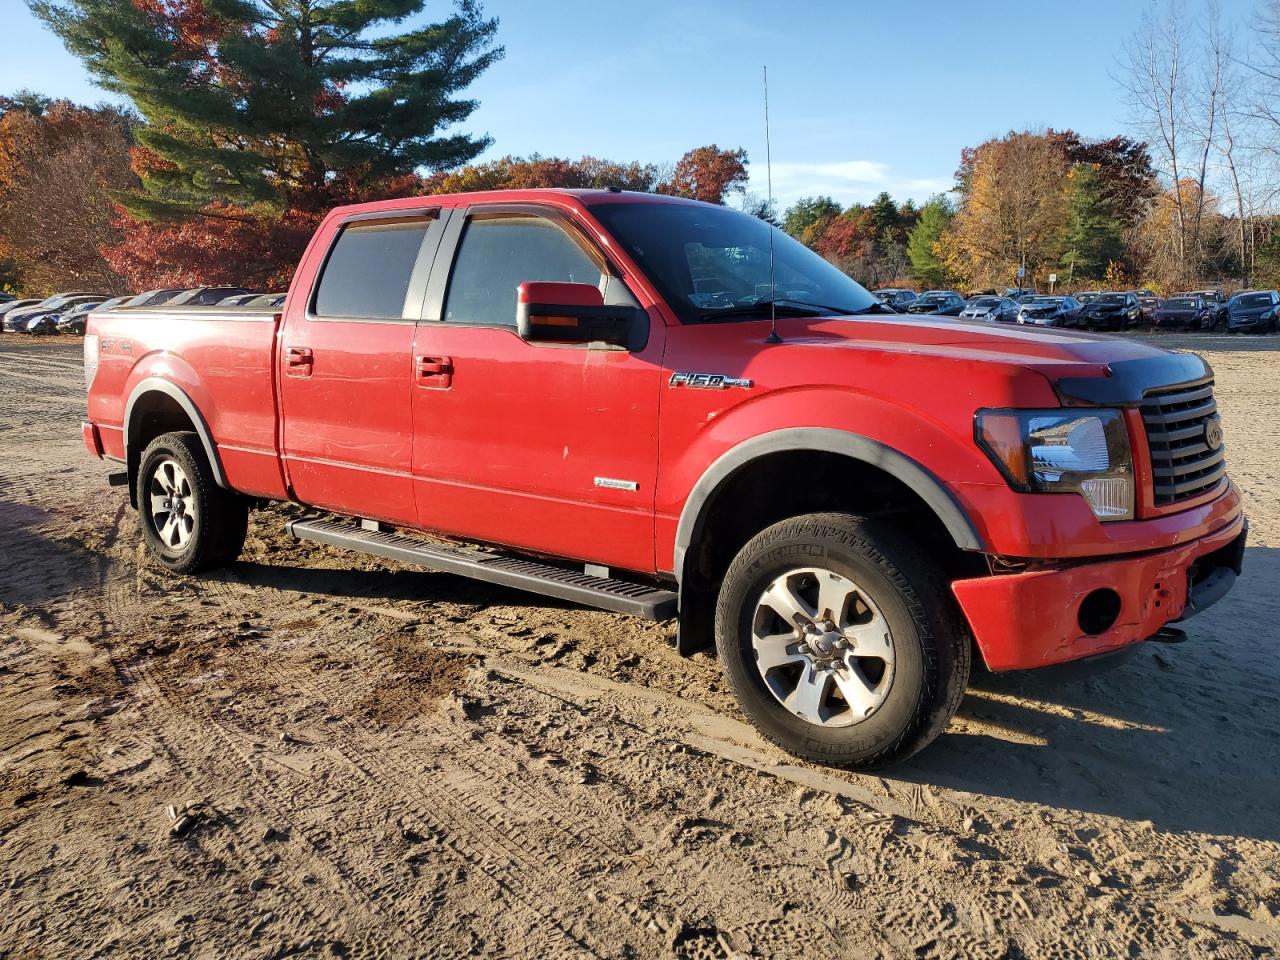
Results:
[161, 374]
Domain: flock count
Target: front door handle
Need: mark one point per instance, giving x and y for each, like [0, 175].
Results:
[299, 361]
[435, 372]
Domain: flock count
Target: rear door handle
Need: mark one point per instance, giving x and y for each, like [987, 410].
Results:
[299, 361]
[435, 372]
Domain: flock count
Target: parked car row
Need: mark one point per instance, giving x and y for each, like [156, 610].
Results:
[1253, 311]
[67, 312]
[1248, 311]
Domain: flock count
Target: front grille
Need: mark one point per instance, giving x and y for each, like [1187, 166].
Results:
[1183, 464]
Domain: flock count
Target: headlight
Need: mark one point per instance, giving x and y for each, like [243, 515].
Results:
[1063, 451]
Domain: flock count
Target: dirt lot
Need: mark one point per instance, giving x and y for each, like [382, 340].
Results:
[374, 761]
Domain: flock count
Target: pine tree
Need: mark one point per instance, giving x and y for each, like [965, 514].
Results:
[1092, 236]
[290, 103]
[922, 241]
[884, 212]
[805, 213]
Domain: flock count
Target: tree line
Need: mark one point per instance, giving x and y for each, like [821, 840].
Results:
[1025, 205]
[250, 118]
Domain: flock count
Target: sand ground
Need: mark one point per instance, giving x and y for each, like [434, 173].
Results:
[368, 760]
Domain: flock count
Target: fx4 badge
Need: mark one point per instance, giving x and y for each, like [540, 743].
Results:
[707, 381]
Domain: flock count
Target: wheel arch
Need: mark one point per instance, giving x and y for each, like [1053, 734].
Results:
[158, 406]
[873, 453]
[855, 469]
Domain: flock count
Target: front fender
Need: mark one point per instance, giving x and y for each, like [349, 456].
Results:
[907, 444]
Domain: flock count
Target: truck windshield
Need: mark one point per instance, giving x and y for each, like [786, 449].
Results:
[709, 262]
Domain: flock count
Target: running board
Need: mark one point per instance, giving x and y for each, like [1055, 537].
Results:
[607, 593]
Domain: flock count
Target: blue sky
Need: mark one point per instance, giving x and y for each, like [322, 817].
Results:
[864, 96]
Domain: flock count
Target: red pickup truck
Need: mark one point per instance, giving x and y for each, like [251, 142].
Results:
[668, 408]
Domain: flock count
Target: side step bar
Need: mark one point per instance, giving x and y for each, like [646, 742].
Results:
[621, 596]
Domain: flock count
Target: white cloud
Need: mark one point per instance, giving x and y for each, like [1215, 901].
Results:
[846, 181]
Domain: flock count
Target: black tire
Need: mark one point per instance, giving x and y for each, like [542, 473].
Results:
[215, 523]
[930, 644]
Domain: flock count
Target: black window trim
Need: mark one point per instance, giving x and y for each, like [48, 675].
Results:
[436, 218]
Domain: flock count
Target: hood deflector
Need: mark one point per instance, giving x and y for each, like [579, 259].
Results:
[1129, 380]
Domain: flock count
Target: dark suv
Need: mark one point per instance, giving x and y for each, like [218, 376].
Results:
[894, 297]
[1110, 311]
[1216, 301]
[945, 302]
[1184, 311]
[1253, 311]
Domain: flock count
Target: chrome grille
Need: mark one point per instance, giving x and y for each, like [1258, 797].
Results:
[1183, 465]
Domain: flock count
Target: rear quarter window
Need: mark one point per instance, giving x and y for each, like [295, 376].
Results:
[368, 271]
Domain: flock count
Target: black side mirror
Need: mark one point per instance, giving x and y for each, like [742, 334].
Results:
[554, 312]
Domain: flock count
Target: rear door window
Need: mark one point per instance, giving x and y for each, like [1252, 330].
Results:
[370, 271]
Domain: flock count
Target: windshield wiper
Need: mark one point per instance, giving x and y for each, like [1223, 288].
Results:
[877, 307]
[761, 307]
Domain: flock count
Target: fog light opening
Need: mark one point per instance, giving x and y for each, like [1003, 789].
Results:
[1099, 611]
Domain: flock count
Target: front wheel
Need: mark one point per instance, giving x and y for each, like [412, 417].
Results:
[841, 640]
[188, 522]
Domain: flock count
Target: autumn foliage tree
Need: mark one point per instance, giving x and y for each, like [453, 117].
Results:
[251, 101]
[709, 174]
[1161, 235]
[808, 217]
[1011, 211]
[267, 112]
[59, 165]
[516, 173]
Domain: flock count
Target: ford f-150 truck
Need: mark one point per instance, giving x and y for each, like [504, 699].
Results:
[671, 409]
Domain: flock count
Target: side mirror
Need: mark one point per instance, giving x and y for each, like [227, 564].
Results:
[552, 312]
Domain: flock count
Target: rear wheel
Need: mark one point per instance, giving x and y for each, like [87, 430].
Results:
[188, 522]
[841, 640]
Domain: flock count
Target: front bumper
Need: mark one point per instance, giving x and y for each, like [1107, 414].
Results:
[1034, 618]
[1245, 323]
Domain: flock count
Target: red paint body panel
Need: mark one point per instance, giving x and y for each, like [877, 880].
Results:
[92, 439]
[225, 366]
[593, 454]
[347, 435]
[1027, 620]
[1049, 526]
[509, 453]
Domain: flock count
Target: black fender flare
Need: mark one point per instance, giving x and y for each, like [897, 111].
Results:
[855, 446]
[179, 396]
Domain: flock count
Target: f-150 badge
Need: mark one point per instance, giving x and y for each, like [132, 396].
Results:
[707, 381]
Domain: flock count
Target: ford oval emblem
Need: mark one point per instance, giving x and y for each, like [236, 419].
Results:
[1213, 433]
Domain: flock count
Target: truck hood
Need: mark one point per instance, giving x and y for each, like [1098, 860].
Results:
[1122, 367]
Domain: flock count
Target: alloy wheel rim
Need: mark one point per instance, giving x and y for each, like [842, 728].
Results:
[172, 505]
[823, 648]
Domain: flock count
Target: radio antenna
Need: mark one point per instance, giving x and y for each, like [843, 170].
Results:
[768, 171]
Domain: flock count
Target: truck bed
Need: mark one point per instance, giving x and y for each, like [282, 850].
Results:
[233, 348]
